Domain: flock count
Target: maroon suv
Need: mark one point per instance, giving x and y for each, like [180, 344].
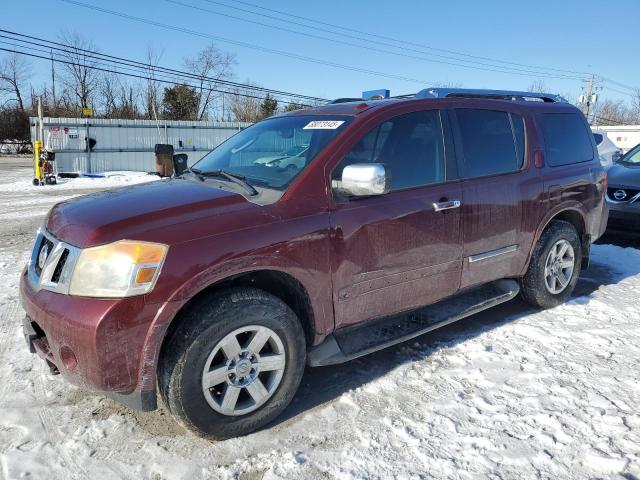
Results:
[313, 238]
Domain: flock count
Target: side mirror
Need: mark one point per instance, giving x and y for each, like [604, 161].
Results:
[617, 156]
[363, 179]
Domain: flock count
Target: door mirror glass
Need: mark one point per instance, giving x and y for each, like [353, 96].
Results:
[362, 179]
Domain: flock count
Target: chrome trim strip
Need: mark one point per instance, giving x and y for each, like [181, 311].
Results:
[492, 253]
[44, 281]
[448, 205]
[622, 202]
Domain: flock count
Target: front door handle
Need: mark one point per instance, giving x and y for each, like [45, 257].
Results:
[447, 205]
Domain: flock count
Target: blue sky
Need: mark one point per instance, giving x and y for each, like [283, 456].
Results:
[581, 36]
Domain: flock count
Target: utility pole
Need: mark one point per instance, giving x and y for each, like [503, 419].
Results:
[589, 96]
[53, 83]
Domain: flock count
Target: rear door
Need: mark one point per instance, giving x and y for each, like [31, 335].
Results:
[395, 252]
[498, 192]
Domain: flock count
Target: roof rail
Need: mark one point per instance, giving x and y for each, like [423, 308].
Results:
[496, 94]
[345, 100]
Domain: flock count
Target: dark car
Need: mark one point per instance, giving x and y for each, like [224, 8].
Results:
[219, 286]
[623, 193]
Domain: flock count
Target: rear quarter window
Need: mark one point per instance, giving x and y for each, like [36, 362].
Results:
[567, 139]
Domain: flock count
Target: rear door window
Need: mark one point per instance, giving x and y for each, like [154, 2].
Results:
[492, 142]
[566, 138]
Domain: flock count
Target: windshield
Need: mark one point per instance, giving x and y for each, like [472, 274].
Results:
[273, 152]
[632, 157]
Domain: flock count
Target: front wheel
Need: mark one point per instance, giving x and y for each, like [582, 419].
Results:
[233, 363]
[554, 267]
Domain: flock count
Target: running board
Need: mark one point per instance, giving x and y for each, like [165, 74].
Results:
[355, 341]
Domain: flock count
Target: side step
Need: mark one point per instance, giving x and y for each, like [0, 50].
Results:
[355, 341]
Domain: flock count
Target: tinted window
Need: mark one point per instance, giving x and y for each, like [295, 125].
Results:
[567, 138]
[409, 146]
[519, 135]
[598, 138]
[490, 143]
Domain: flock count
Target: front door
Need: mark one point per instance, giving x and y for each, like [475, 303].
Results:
[396, 252]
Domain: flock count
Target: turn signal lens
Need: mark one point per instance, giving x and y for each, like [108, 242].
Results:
[145, 275]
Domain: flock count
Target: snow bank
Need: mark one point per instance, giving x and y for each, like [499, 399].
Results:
[109, 180]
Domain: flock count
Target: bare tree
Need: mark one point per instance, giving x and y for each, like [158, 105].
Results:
[616, 112]
[243, 105]
[119, 98]
[14, 74]
[538, 86]
[636, 105]
[81, 78]
[209, 67]
[108, 90]
[153, 90]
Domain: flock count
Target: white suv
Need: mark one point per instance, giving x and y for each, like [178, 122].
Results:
[607, 150]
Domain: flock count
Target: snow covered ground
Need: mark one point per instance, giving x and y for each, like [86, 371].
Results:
[511, 393]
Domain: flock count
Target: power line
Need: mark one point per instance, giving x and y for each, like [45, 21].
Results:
[623, 85]
[392, 39]
[245, 44]
[450, 60]
[73, 50]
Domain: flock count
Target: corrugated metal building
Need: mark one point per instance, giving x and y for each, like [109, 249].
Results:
[127, 144]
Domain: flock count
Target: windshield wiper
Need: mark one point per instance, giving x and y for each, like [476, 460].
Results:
[232, 177]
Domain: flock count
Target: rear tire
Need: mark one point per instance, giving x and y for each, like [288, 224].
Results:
[554, 267]
[214, 376]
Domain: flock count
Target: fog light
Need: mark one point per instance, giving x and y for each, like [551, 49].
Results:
[68, 358]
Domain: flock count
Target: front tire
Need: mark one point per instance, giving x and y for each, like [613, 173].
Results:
[233, 363]
[554, 267]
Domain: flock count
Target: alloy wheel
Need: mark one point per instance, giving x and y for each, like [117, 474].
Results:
[243, 370]
[559, 266]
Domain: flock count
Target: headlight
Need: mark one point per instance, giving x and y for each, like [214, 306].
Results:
[120, 269]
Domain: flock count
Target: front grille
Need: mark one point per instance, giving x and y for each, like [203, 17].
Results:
[52, 263]
[44, 244]
[60, 266]
[622, 195]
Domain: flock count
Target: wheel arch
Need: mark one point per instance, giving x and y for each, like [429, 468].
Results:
[574, 216]
[275, 282]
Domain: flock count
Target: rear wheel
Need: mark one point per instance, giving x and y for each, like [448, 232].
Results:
[233, 363]
[554, 267]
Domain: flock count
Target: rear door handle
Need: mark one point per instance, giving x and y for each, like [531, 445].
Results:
[448, 205]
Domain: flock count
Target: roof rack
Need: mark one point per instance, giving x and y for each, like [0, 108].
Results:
[345, 100]
[496, 94]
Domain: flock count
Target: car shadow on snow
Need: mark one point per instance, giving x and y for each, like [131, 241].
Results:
[324, 384]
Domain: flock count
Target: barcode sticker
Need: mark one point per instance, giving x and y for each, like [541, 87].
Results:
[323, 125]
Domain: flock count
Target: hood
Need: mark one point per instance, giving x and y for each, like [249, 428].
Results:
[134, 212]
[624, 176]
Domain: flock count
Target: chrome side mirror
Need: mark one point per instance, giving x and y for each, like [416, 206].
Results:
[363, 179]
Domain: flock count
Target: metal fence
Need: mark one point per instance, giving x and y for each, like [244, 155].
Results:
[126, 144]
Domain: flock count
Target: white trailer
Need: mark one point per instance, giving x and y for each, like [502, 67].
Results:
[625, 137]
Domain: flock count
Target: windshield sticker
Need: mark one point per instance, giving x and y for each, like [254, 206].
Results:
[323, 125]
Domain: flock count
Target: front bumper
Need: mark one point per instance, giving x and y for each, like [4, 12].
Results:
[93, 343]
[624, 217]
